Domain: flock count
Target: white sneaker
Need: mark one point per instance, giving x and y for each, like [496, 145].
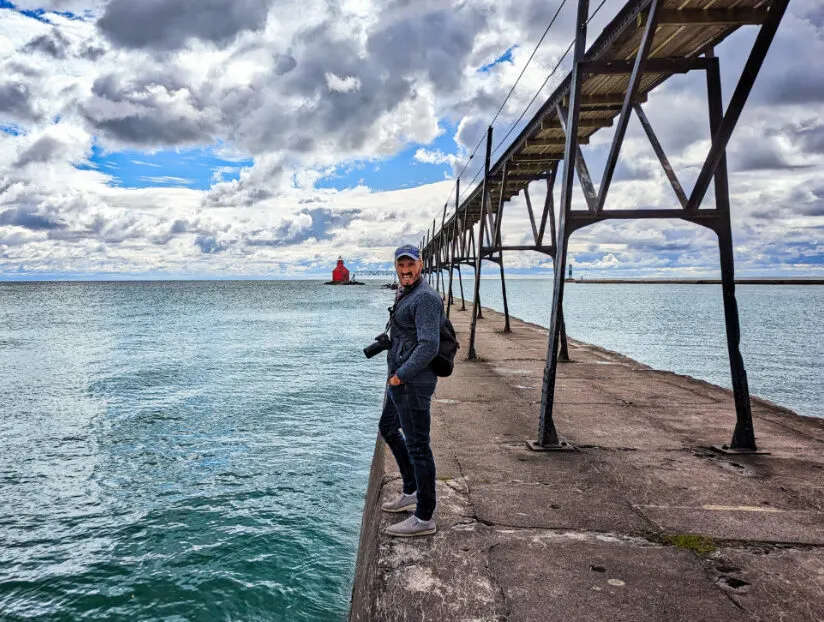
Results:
[412, 526]
[403, 503]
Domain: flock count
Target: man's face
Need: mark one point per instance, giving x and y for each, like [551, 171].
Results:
[408, 270]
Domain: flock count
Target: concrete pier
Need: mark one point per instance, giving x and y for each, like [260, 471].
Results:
[643, 522]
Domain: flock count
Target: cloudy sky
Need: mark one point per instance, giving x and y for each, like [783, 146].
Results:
[263, 138]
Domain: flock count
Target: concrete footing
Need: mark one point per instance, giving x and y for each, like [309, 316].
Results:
[643, 521]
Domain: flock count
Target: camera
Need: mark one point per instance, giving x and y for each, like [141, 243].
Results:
[382, 342]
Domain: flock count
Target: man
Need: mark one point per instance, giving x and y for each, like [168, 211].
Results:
[415, 332]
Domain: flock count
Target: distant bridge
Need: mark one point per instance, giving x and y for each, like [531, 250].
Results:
[647, 42]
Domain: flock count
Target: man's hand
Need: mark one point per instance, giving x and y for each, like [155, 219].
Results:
[395, 381]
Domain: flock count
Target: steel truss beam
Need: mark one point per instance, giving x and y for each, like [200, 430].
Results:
[714, 168]
[493, 249]
[456, 243]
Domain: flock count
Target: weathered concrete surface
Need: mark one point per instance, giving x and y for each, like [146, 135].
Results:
[602, 533]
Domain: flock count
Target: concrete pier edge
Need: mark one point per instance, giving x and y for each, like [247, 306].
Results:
[366, 571]
[643, 522]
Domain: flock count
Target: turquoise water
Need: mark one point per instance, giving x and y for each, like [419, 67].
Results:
[200, 451]
[681, 328]
[184, 451]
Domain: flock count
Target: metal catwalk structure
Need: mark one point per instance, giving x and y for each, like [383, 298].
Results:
[647, 42]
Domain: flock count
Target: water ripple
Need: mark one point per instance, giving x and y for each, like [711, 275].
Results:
[184, 451]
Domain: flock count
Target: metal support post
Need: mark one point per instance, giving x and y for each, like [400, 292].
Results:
[477, 309]
[460, 284]
[436, 268]
[547, 435]
[563, 353]
[476, 315]
[743, 438]
[498, 243]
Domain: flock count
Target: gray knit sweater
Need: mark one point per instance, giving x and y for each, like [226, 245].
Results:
[415, 333]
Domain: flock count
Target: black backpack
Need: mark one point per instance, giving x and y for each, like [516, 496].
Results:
[444, 361]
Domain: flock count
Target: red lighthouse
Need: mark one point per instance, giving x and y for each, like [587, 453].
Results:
[340, 274]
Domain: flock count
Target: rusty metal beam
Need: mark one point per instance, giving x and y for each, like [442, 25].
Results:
[583, 124]
[712, 17]
[662, 157]
[626, 110]
[605, 99]
[580, 164]
[532, 158]
[653, 65]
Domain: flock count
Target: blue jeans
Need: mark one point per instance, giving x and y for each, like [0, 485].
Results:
[407, 407]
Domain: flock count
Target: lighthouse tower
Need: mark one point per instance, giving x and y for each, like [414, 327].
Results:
[340, 274]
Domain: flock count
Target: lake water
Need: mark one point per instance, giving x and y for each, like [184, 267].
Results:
[200, 450]
[681, 328]
[184, 451]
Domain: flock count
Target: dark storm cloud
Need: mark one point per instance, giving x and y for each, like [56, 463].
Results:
[284, 63]
[115, 228]
[170, 24]
[434, 45]
[209, 245]
[814, 204]
[325, 220]
[16, 101]
[54, 44]
[791, 67]
[240, 192]
[152, 105]
[144, 119]
[816, 15]
[146, 129]
[30, 218]
[134, 86]
[342, 119]
[41, 151]
[797, 85]
[437, 43]
[92, 52]
[805, 200]
[763, 159]
[811, 138]
[629, 169]
[179, 226]
[533, 16]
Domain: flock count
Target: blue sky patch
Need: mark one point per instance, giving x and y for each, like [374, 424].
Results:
[400, 171]
[12, 129]
[73, 16]
[38, 14]
[198, 168]
[506, 57]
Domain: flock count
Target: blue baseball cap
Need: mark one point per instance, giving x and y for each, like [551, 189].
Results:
[407, 250]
